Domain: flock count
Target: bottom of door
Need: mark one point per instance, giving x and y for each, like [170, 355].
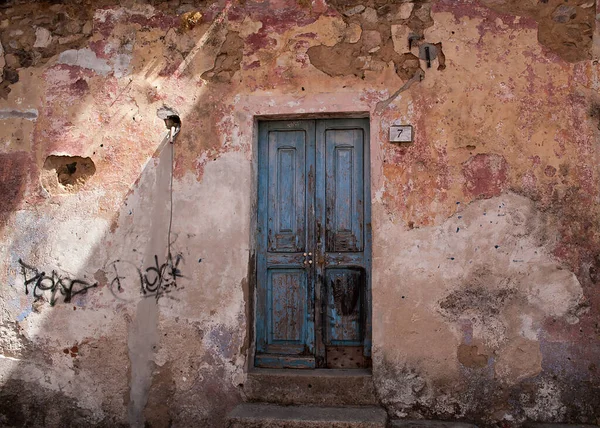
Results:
[338, 357]
[276, 361]
[347, 357]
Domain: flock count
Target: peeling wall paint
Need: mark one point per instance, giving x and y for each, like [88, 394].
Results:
[485, 228]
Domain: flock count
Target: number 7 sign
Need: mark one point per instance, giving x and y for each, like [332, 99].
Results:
[401, 133]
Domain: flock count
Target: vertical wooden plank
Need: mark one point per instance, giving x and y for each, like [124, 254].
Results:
[310, 234]
[286, 190]
[288, 299]
[359, 179]
[344, 192]
[320, 252]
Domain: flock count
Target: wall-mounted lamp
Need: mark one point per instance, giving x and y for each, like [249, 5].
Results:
[173, 124]
[172, 121]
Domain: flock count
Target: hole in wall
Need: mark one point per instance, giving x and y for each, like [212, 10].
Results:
[66, 174]
[171, 118]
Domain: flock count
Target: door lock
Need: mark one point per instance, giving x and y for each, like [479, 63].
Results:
[307, 259]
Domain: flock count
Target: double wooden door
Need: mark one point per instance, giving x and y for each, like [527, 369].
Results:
[313, 244]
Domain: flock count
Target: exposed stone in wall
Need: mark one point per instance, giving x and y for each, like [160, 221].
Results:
[339, 60]
[35, 34]
[389, 33]
[228, 60]
[66, 173]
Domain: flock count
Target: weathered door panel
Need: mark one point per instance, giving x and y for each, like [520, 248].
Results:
[345, 290]
[344, 191]
[287, 306]
[343, 242]
[313, 258]
[287, 191]
[285, 284]
[345, 318]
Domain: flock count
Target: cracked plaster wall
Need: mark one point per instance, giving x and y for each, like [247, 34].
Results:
[485, 229]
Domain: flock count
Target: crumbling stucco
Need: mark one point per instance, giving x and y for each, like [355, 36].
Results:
[486, 249]
[66, 173]
[565, 29]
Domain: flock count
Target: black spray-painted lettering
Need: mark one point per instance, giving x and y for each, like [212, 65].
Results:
[155, 281]
[40, 283]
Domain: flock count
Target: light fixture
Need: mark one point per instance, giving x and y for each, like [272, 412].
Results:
[172, 121]
[173, 124]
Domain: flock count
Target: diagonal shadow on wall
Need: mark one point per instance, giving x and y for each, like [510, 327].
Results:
[106, 321]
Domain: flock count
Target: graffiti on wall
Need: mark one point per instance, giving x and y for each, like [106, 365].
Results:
[53, 285]
[156, 280]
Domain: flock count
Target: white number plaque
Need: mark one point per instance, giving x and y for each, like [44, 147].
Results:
[401, 133]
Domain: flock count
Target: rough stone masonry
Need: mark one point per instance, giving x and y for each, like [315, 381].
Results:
[486, 238]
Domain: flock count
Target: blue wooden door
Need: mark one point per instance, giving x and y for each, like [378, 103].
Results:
[313, 261]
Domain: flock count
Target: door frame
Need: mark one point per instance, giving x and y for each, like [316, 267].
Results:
[251, 300]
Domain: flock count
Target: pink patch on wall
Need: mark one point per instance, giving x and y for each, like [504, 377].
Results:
[99, 48]
[14, 168]
[486, 175]
[550, 171]
[252, 65]
[529, 182]
[259, 40]
[308, 35]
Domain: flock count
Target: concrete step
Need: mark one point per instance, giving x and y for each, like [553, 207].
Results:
[322, 387]
[556, 425]
[254, 415]
[420, 423]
